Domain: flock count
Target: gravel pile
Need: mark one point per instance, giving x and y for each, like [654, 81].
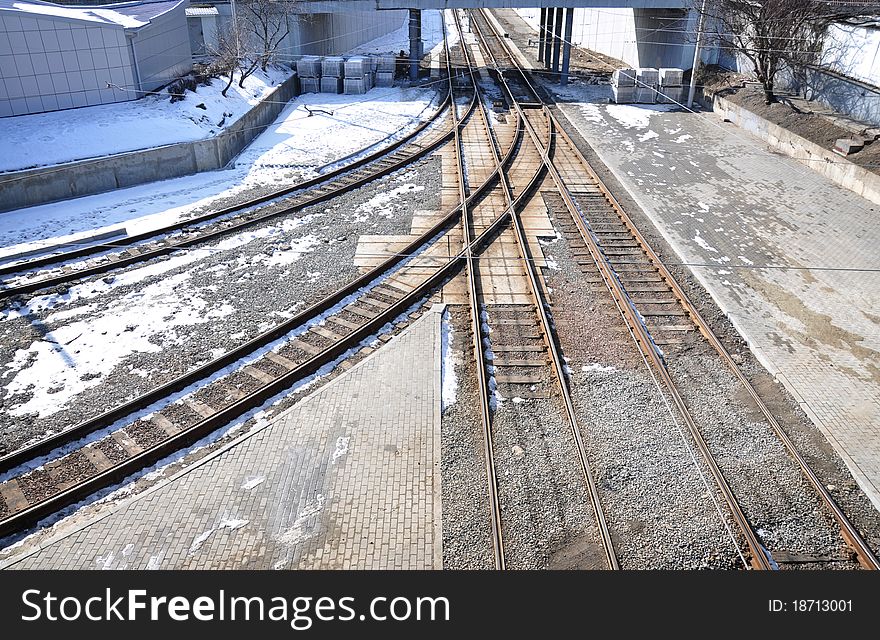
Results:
[241, 292]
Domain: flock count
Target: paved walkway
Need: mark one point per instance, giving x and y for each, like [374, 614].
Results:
[348, 478]
[723, 201]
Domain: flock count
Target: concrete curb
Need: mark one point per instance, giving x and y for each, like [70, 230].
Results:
[32, 187]
[836, 168]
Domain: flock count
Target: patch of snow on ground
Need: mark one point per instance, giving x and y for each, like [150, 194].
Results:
[252, 481]
[294, 143]
[449, 361]
[42, 139]
[705, 245]
[635, 116]
[381, 204]
[648, 136]
[595, 367]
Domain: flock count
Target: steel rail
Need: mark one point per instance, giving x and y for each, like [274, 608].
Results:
[553, 348]
[759, 559]
[34, 513]
[47, 445]
[473, 298]
[300, 186]
[170, 247]
[866, 556]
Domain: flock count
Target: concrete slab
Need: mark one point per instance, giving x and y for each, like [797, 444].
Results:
[347, 478]
[790, 257]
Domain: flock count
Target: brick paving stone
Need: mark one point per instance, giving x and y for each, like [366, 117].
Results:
[722, 200]
[349, 481]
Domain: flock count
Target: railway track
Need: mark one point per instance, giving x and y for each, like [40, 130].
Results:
[526, 355]
[45, 477]
[424, 139]
[657, 312]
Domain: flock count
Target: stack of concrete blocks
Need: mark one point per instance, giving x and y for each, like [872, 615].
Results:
[358, 75]
[647, 83]
[331, 74]
[308, 68]
[623, 85]
[671, 89]
[385, 66]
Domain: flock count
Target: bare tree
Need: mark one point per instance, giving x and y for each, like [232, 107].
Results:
[774, 34]
[226, 54]
[266, 24]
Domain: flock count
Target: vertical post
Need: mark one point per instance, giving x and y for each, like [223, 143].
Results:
[548, 40]
[566, 45]
[235, 28]
[557, 38]
[415, 42]
[542, 34]
[697, 52]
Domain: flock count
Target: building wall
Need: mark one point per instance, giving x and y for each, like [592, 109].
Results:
[162, 49]
[59, 64]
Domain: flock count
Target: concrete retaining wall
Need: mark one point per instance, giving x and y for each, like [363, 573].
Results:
[834, 167]
[86, 177]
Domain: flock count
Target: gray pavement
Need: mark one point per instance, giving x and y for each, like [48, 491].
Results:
[347, 478]
[790, 257]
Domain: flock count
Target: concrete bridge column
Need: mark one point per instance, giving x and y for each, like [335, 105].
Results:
[566, 45]
[548, 37]
[542, 34]
[557, 38]
[415, 42]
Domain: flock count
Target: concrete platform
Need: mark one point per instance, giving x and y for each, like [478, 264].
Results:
[348, 478]
[790, 257]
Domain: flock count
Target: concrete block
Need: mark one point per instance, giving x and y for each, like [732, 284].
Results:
[332, 66]
[331, 84]
[670, 77]
[645, 95]
[384, 78]
[356, 67]
[647, 75]
[623, 95]
[386, 64]
[672, 95]
[309, 67]
[355, 86]
[310, 85]
[846, 146]
[623, 77]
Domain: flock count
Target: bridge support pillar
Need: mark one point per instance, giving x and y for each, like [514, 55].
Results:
[415, 42]
[566, 45]
[548, 37]
[557, 37]
[542, 34]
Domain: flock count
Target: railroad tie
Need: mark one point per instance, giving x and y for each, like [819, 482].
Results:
[278, 359]
[97, 457]
[12, 494]
[125, 441]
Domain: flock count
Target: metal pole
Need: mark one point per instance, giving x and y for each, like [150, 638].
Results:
[548, 40]
[235, 28]
[557, 39]
[697, 52]
[566, 45]
[542, 34]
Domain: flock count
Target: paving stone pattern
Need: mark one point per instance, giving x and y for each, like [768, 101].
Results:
[348, 478]
[723, 200]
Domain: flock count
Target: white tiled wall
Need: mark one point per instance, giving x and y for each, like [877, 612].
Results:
[53, 63]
